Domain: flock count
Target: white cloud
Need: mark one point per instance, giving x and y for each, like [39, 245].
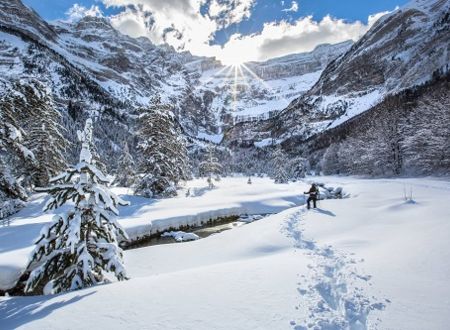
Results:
[176, 22]
[77, 12]
[373, 18]
[181, 24]
[227, 12]
[294, 7]
[303, 35]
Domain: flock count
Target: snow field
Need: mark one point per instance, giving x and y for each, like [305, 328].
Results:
[404, 246]
[372, 261]
[232, 196]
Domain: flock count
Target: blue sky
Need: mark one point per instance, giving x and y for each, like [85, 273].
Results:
[238, 22]
[56, 9]
[269, 10]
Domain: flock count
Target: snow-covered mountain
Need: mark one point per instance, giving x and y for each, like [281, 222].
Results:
[92, 69]
[260, 90]
[403, 49]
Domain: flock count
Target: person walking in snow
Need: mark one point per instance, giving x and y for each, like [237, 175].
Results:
[313, 192]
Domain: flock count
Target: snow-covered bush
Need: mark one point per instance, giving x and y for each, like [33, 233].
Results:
[9, 207]
[330, 192]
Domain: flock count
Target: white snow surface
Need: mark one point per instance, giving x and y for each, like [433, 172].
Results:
[214, 138]
[372, 261]
[232, 196]
[181, 236]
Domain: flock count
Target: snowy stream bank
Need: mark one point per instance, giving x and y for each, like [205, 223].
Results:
[146, 218]
[231, 204]
[192, 233]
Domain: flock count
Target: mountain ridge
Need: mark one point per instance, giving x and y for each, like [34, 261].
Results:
[400, 51]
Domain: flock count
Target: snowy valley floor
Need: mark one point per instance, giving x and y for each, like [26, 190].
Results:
[372, 261]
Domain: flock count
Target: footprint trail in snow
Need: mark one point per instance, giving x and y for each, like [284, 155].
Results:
[331, 293]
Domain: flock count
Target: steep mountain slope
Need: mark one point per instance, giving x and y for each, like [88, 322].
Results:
[401, 50]
[259, 90]
[15, 15]
[406, 133]
[92, 69]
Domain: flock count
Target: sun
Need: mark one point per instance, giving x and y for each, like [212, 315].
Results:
[234, 60]
[232, 63]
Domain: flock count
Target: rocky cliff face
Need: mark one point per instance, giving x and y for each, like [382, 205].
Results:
[403, 49]
[300, 64]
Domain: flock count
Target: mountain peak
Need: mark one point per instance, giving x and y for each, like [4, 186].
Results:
[428, 6]
[94, 22]
[16, 16]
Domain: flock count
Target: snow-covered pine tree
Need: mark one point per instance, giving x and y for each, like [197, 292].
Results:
[297, 168]
[11, 135]
[45, 139]
[210, 167]
[126, 169]
[163, 152]
[12, 153]
[29, 104]
[427, 135]
[80, 245]
[96, 159]
[329, 163]
[279, 162]
[11, 192]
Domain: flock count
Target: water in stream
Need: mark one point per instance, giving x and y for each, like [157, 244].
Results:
[204, 231]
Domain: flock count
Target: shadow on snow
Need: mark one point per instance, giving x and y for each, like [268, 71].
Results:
[18, 311]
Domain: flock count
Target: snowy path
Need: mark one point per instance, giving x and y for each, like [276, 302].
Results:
[330, 291]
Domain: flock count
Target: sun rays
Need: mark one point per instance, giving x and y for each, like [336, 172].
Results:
[239, 82]
[243, 75]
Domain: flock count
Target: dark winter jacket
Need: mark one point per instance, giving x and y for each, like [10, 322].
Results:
[313, 192]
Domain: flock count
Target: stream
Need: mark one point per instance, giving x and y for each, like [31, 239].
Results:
[204, 231]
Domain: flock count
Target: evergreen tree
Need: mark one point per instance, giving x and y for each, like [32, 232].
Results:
[164, 155]
[80, 245]
[40, 131]
[126, 172]
[12, 153]
[96, 159]
[9, 187]
[330, 163]
[11, 192]
[11, 134]
[297, 168]
[210, 167]
[279, 161]
[46, 141]
[427, 135]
